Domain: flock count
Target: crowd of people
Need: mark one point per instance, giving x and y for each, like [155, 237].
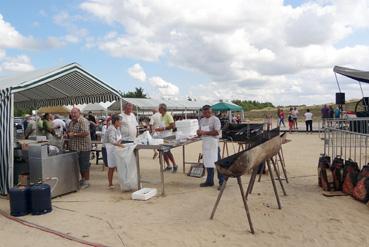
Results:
[292, 118]
[327, 112]
[78, 131]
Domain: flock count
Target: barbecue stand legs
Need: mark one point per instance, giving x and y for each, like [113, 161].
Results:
[243, 199]
[283, 164]
[219, 196]
[262, 168]
[245, 205]
[250, 186]
[273, 182]
[278, 177]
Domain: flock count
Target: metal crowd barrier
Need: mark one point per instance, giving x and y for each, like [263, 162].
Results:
[347, 138]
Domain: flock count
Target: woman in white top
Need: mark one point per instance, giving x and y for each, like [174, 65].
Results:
[309, 121]
[112, 138]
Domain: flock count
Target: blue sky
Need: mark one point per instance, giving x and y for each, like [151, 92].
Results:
[35, 18]
[275, 51]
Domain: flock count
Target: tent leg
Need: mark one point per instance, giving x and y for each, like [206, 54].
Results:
[121, 104]
[11, 165]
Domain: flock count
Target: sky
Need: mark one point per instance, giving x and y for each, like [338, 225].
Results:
[265, 50]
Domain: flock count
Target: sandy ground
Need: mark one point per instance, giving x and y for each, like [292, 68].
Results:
[181, 218]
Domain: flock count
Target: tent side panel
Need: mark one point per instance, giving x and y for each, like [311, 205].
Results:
[6, 157]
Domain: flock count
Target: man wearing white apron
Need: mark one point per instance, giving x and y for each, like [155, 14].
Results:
[129, 123]
[210, 132]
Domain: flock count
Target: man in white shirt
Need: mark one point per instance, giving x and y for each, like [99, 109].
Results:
[309, 121]
[209, 132]
[129, 123]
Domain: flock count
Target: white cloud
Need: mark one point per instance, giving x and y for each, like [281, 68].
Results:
[69, 23]
[20, 63]
[137, 72]
[11, 38]
[2, 54]
[166, 89]
[131, 46]
[159, 87]
[262, 50]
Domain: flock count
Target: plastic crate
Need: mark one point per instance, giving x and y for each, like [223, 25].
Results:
[144, 194]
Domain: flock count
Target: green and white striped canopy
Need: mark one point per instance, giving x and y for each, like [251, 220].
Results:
[66, 85]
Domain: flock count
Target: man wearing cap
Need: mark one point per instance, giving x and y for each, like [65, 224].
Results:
[210, 131]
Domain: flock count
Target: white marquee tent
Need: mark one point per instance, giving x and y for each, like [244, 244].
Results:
[149, 104]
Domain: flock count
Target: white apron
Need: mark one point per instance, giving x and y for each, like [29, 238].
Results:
[110, 152]
[209, 149]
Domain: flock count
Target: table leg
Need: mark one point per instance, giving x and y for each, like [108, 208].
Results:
[223, 149]
[184, 158]
[138, 169]
[161, 163]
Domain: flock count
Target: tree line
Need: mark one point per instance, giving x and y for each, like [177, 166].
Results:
[248, 105]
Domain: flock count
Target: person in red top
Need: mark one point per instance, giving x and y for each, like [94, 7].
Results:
[281, 118]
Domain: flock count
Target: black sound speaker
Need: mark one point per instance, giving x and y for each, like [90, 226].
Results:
[340, 98]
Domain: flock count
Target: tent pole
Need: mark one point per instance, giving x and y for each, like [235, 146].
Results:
[11, 165]
[137, 118]
[339, 88]
[121, 104]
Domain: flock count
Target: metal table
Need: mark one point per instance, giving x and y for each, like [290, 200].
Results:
[161, 148]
